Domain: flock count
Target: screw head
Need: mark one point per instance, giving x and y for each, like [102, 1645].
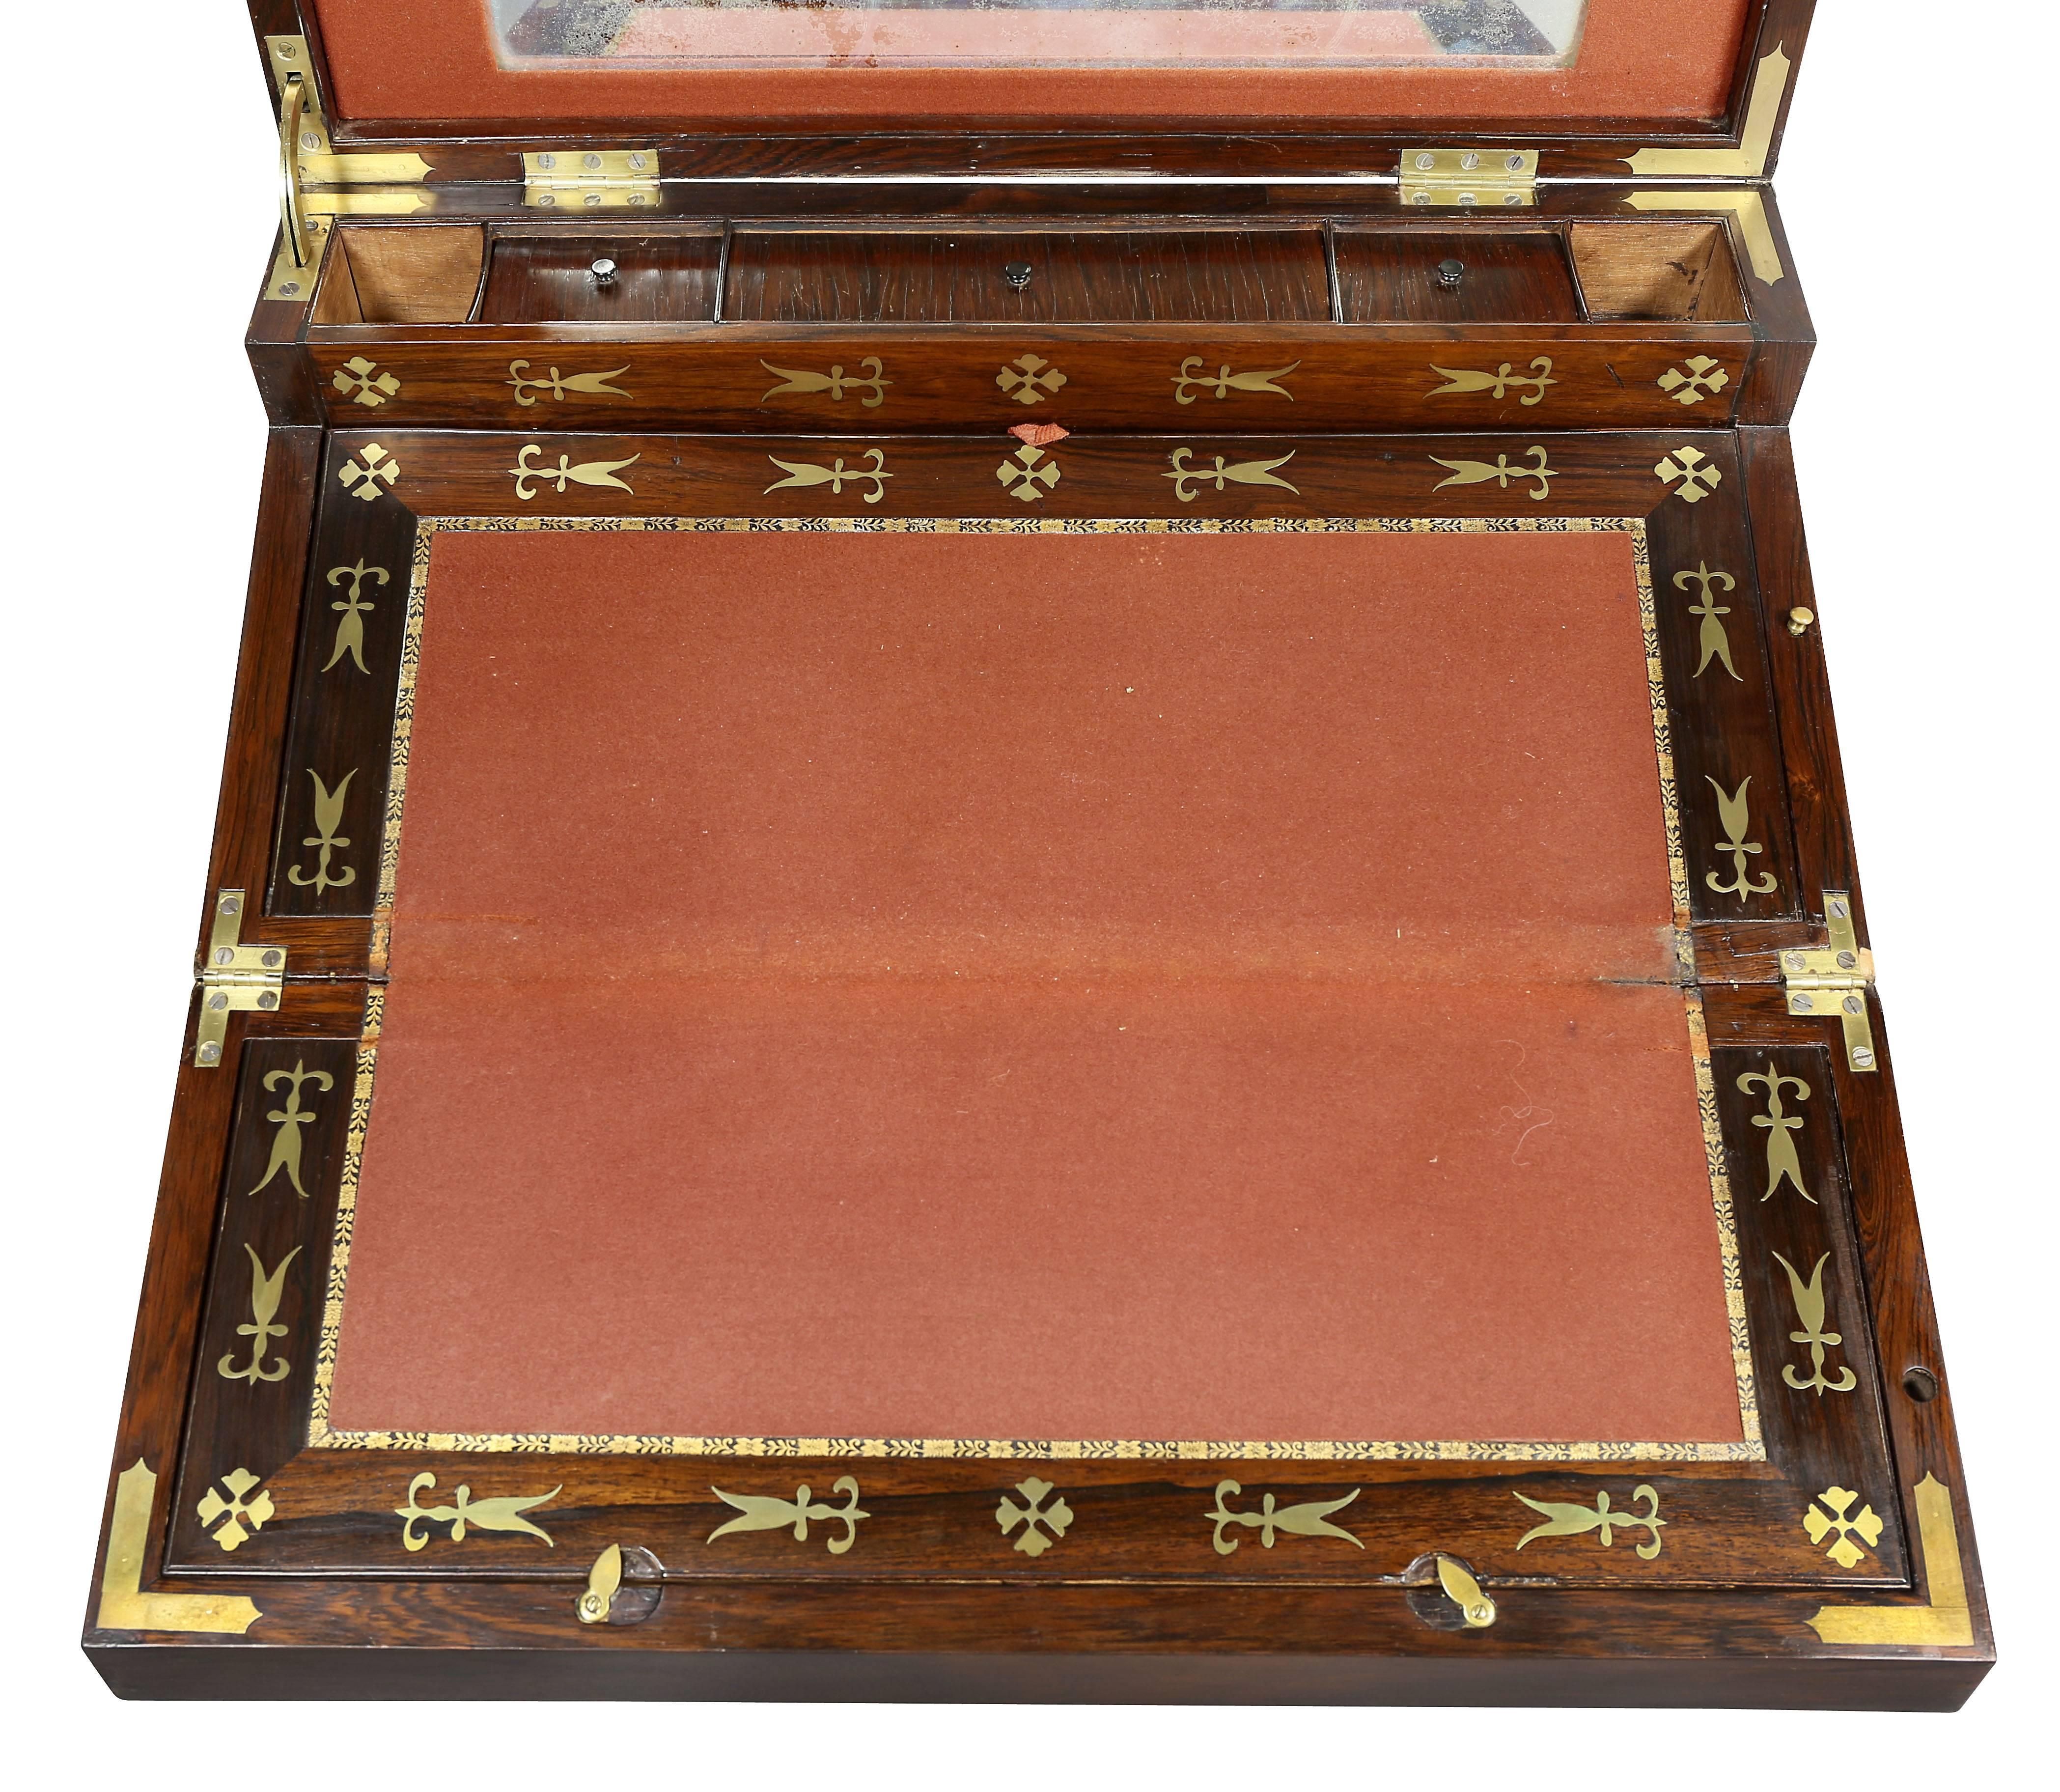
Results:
[1862, 1058]
[1471, 159]
[547, 161]
[209, 1053]
[1514, 164]
[1836, 908]
[1847, 961]
[1796, 961]
[591, 159]
[593, 198]
[1512, 198]
[217, 1002]
[288, 288]
[270, 960]
[637, 158]
[287, 53]
[267, 999]
[1427, 160]
[1800, 1004]
[310, 140]
[547, 199]
[224, 954]
[1854, 1005]
[231, 905]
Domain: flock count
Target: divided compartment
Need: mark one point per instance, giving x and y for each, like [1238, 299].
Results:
[1610, 269]
[1057, 276]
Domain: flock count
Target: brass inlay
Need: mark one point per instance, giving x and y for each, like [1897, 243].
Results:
[325, 840]
[360, 380]
[558, 384]
[1223, 382]
[1241, 472]
[805, 473]
[1476, 473]
[289, 1120]
[1032, 1515]
[1809, 1311]
[233, 977]
[1497, 385]
[835, 382]
[768, 1512]
[1465, 1592]
[1782, 1165]
[1748, 161]
[502, 1512]
[1943, 1621]
[1700, 376]
[587, 472]
[1698, 477]
[1748, 1446]
[1028, 378]
[1295, 1521]
[353, 609]
[264, 1291]
[1734, 812]
[1834, 979]
[238, 1516]
[124, 1604]
[1578, 1521]
[1022, 473]
[1716, 645]
[602, 1579]
[1832, 1516]
[362, 480]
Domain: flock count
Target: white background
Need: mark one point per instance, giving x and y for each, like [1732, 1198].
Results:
[141, 202]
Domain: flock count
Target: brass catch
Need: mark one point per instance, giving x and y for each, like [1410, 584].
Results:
[1465, 1592]
[233, 977]
[1836, 980]
[1470, 177]
[602, 1579]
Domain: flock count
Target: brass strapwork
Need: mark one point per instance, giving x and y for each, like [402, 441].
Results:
[232, 976]
[1834, 979]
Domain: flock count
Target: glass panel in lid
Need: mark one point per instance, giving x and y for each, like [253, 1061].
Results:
[1037, 33]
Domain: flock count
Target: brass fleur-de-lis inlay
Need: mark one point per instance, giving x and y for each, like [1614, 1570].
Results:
[873, 383]
[1028, 473]
[586, 473]
[360, 380]
[1497, 385]
[1223, 382]
[1477, 472]
[325, 840]
[237, 1516]
[1029, 378]
[289, 1119]
[1703, 378]
[1734, 812]
[1564, 1520]
[1241, 472]
[1698, 477]
[1716, 645]
[361, 475]
[1305, 1520]
[1035, 1517]
[1831, 1515]
[1780, 1126]
[807, 472]
[266, 1288]
[502, 1512]
[352, 610]
[557, 385]
[768, 1512]
[1809, 1297]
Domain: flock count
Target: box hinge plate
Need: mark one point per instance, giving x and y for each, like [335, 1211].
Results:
[232, 976]
[590, 180]
[1836, 980]
[1469, 179]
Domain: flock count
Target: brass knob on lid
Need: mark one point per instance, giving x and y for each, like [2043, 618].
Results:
[1450, 272]
[603, 271]
[1017, 273]
[1799, 621]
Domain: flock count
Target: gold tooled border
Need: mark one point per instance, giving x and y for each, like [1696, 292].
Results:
[1751, 1446]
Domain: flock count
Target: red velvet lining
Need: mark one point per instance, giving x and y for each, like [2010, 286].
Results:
[426, 60]
[1073, 987]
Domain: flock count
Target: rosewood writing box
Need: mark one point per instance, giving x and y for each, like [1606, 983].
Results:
[1032, 885]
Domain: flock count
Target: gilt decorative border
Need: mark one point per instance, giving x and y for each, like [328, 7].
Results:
[1749, 1448]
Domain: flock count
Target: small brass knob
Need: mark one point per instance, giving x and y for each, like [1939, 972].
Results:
[1799, 621]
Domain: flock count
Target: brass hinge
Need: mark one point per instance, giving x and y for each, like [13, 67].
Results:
[1836, 980]
[316, 183]
[233, 977]
[590, 180]
[1470, 177]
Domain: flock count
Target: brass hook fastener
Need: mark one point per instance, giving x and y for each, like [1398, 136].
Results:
[1476, 1607]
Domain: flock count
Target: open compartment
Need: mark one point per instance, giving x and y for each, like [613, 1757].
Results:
[1658, 269]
